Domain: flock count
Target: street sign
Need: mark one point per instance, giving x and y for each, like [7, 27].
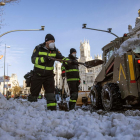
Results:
[7, 78]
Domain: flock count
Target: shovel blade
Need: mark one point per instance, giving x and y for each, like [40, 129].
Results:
[63, 106]
[94, 63]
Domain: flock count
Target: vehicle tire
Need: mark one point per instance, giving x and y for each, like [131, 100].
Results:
[111, 97]
[95, 97]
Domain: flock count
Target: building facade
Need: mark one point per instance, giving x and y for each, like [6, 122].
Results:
[58, 78]
[87, 75]
[135, 32]
[26, 90]
[13, 81]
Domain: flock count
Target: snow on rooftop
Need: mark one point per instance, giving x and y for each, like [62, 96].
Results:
[131, 43]
[22, 120]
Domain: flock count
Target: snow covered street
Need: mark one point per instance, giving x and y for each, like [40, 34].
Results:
[22, 120]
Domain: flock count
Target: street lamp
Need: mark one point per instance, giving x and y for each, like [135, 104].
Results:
[7, 68]
[42, 29]
[2, 3]
[4, 66]
[7, 79]
[108, 30]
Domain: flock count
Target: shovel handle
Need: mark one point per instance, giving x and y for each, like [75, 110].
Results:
[68, 61]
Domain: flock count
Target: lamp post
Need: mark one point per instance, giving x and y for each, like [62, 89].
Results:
[7, 68]
[4, 66]
[42, 29]
[7, 79]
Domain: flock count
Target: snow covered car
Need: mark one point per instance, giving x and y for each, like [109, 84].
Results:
[118, 83]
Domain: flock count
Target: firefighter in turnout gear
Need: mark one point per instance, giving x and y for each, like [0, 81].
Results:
[43, 71]
[71, 71]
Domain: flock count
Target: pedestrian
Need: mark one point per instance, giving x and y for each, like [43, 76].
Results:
[43, 71]
[56, 94]
[71, 71]
[64, 95]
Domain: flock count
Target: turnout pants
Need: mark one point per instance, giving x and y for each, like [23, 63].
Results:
[73, 87]
[48, 84]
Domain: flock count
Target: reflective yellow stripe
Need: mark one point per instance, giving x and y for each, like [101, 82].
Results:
[73, 79]
[70, 70]
[43, 67]
[72, 100]
[51, 104]
[121, 70]
[65, 59]
[36, 60]
[63, 68]
[42, 60]
[131, 67]
[39, 97]
[48, 54]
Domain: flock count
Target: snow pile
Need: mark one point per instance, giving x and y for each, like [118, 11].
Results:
[131, 43]
[132, 113]
[22, 120]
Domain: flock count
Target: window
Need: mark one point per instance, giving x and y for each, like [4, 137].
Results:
[137, 49]
[89, 53]
[82, 53]
[109, 53]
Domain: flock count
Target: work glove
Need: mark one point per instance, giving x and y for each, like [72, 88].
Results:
[46, 58]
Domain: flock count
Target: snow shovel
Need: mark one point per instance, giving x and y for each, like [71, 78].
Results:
[63, 105]
[88, 64]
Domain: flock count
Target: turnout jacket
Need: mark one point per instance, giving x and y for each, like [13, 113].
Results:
[42, 65]
[71, 70]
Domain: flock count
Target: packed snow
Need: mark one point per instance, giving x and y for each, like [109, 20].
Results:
[131, 43]
[22, 120]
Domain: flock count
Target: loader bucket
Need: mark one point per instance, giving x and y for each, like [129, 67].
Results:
[94, 63]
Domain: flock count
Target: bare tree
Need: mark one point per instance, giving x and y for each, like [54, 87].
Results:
[15, 90]
[2, 10]
[8, 1]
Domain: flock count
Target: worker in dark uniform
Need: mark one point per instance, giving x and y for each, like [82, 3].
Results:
[71, 71]
[43, 71]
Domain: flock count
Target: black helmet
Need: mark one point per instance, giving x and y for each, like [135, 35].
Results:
[72, 50]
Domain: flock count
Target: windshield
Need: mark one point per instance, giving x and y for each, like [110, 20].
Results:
[137, 49]
[109, 53]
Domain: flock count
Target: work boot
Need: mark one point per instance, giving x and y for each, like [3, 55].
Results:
[51, 102]
[32, 98]
[51, 108]
[71, 105]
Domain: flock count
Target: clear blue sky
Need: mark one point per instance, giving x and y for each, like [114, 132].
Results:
[63, 19]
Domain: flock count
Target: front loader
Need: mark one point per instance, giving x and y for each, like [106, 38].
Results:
[118, 83]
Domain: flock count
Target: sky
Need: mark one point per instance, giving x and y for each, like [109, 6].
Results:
[63, 19]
